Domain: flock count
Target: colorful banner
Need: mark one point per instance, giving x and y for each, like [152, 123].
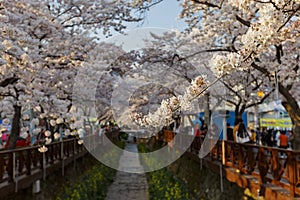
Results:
[280, 123]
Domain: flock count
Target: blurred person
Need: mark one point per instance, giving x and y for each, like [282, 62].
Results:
[235, 128]
[252, 136]
[229, 132]
[283, 140]
[258, 136]
[276, 136]
[291, 139]
[21, 142]
[269, 138]
[197, 134]
[242, 135]
[263, 136]
[203, 128]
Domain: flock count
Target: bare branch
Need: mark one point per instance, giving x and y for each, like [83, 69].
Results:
[262, 99]
[208, 4]
[147, 7]
[246, 23]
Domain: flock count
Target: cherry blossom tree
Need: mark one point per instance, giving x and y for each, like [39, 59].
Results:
[18, 64]
[262, 34]
[250, 34]
[174, 53]
[242, 91]
[43, 45]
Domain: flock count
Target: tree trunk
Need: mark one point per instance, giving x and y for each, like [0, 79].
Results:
[294, 114]
[290, 105]
[296, 141]
[293, 109]
[15, 127]
[237, 118]
[238, 114]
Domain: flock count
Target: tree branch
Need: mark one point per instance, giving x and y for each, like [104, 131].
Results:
[262, 99]
[147, 7]
[288, 19]
[9, 81]
[244, 22]
[208, 4]
[207, 51]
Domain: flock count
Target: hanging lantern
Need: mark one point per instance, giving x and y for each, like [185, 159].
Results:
[260, 94]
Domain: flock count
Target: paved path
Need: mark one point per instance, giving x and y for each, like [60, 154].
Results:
[129, 186]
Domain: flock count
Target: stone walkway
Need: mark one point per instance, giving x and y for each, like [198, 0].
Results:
[129, 186]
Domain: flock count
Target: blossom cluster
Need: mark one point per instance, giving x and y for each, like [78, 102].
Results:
[263, 33]
[163, 115]
[221, 64]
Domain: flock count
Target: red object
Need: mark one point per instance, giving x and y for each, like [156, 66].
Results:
[4, 137]
[197, 131]
[284, 140]
[20, 143]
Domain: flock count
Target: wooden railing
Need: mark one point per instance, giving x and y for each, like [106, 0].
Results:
[269, 164]
[19, 168]
[272, 165]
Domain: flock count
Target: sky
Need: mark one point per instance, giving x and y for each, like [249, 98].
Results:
[160, 18]
[164, 15]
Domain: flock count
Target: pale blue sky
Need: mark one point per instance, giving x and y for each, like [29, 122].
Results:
[160, 18]
[164, 15]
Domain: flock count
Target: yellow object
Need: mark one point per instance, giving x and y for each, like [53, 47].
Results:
[280, 123]
[260, 94]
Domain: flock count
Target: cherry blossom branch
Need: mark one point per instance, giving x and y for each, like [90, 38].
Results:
[288, 19]
[169, 107]
[210, 85]
[207, 51]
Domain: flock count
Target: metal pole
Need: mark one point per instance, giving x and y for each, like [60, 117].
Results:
[14, 167]
[44, 166]
[31, 127]
[62, 159]
[255, 116]
[221, 178]
[224, 126]
[62, 151]
[201, 167]
[277, 93]
[16, 185]
[74, 154]
[14, 171]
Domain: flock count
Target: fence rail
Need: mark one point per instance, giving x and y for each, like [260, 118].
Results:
[19, 168]
[269, 164]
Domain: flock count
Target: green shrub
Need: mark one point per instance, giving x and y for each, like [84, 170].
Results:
[93, 184]
[162, 184]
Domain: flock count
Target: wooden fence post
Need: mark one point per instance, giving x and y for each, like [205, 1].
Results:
[292, 168]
